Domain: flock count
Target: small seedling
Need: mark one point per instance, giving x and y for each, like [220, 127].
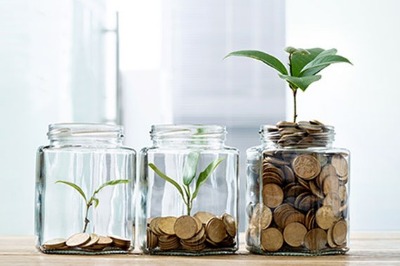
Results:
[93, 199]
[189, 175]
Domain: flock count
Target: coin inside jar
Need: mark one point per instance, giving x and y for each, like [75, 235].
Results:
[185, 227]
[306, 166]
[78, 239]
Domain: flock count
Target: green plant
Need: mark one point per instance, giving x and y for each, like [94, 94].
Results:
[304, 65]
[189, 175]
[93, 199]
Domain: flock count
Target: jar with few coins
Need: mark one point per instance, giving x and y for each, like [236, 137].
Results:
[297, 191]
[188, 192]
[85, 179]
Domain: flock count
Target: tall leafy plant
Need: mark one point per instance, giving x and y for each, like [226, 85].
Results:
[304, 66]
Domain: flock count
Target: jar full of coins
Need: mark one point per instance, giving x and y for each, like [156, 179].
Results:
[297, 191]
[84, 191]
[188, 192]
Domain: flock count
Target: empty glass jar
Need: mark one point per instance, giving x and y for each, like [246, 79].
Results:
[297, 191]
[188, 192]
[84, 191]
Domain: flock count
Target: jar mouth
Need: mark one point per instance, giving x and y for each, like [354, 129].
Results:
[194, 131]
[60, 131]
[303, 134]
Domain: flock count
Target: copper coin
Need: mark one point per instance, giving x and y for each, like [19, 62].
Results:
[306, 166]
[271, 239]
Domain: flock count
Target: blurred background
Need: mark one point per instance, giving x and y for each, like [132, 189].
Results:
[138, 63]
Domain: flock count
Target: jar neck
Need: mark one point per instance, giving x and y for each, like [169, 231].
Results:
[188, 136]
[301, 135]
[85, 134]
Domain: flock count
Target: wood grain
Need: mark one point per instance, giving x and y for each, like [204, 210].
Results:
[372, 248]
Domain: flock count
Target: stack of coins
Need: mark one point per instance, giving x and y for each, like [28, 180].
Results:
[192, 233]
[87, 242]
[303, 205]
[300, 134]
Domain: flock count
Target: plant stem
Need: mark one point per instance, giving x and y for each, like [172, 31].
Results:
[189, 201]
[86, 219]
[294, 104]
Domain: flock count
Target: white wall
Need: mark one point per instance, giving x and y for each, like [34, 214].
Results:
[361, 101]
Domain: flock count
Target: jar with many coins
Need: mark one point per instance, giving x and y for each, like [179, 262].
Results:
[84, 191]
[297, 191]
[189, 192]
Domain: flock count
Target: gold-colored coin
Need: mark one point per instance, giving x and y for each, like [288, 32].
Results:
[332, 199]
[343, 193]
[200, 237]
[185, 227]
[78, 239]
[325, 217]
[331, 183]
[120, 242]
[327, 170]
[154, 226]
[329, 238]
[93, 240]
[168, 242]
[216, 230]
[230, 224]
[294, 234]
[104, 240]
[340, 164]
[166, 225]
[272, 195]
[315, 239]
[306, 166]
[266, 217]
[204, 216]
[271, 239]
[339, 232]
[152, 239]
[57, 243]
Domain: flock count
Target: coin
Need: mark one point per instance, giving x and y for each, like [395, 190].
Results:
[339, 232]
[78, 239]
[93, 240]
[57, 243]
[230, 224]
[331, 184]
[325, 217]
[271, 239]
[166, 225]
[272, 195]
[340, 164]
[216, 230]
[203, 216]
[294, 234]
[265, 217]
[104, 240]
[315, 239]
[185, 227]
[120, 242]
[306, 166]
[152, 239]
[332, 199]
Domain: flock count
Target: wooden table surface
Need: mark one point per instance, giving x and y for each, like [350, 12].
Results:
[378, 248]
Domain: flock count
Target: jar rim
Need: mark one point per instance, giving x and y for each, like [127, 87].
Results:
[187, 130]
[84, 130]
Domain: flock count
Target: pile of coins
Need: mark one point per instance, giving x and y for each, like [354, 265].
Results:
[192, 233]
[301, 134]
[303, 201]
[87, 242]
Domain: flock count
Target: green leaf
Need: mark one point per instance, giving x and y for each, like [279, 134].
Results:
[321, 62]
[76, 187]
[203, 176]
[111, 183]
[301, 82]
[299, 59]
[190, 168]
[168, 179]
[263, 57]
[292, 50]
[96, 201]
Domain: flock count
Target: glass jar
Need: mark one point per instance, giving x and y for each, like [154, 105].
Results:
[189, 192]
[297, 191]
[84, 191]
